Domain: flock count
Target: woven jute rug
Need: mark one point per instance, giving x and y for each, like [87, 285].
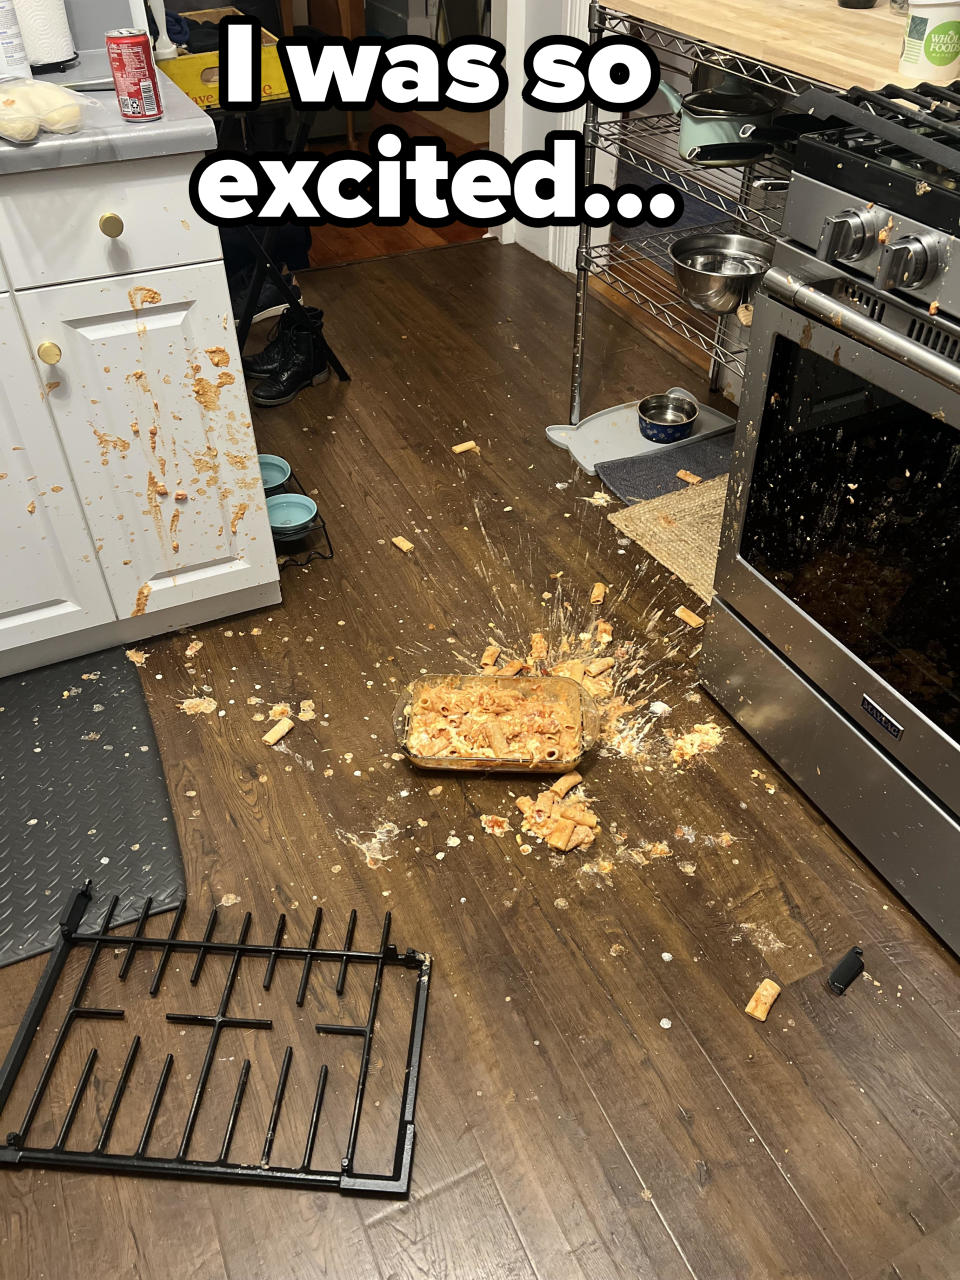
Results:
[682, 531]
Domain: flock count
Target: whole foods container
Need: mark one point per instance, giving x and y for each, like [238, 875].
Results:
[536, 724]
[931, 42]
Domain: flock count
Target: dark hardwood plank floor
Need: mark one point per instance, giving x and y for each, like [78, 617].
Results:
[594, 1103]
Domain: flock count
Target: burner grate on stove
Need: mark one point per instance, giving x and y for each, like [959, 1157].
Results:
[18, 1151]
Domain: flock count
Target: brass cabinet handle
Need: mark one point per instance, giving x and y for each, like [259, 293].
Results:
[49, 353]
[111, 224]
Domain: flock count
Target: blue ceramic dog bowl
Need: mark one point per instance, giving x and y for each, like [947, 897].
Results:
[667, 418]
[291, 512]
[274, 471]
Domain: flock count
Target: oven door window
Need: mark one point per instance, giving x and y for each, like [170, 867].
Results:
[854, 514]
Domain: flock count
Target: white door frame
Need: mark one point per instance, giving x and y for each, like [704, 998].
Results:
[557, 245]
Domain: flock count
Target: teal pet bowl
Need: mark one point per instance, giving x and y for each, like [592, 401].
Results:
[291, 513]
[274, 471]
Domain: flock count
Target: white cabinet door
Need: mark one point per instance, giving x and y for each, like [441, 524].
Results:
[153, 415]
[51, 584]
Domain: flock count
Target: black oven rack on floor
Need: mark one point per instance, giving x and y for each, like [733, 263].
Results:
[17, 1151]
[316, 530]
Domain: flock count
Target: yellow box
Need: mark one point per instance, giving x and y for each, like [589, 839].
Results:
[198, 74]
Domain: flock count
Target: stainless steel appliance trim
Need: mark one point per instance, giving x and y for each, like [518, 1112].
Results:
[925, 749]
[910, 839]
[811, 203]
[856, 325]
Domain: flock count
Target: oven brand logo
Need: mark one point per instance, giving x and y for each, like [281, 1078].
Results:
[883, 720]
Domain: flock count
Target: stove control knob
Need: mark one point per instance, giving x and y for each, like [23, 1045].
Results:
[847, 236]
[908, 263]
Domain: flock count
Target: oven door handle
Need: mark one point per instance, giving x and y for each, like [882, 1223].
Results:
[846, 320]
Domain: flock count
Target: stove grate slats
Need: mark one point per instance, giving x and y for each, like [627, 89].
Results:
[19, 1151]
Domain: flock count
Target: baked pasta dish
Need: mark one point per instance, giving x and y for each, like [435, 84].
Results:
[532, 723]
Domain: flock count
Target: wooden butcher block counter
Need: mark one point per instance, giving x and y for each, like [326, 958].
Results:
[812, 38]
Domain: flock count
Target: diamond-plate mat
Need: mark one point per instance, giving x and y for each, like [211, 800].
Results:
[83, 797]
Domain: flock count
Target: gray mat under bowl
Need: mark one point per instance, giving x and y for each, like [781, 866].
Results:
[651, 475]
[83, 797]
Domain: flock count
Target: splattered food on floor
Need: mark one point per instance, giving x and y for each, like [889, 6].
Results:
[762, 1000]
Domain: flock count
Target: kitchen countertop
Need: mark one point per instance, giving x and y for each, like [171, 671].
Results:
[183, 128]
[812, 38]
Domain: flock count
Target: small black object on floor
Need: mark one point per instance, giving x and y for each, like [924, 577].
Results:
[651, 475]
[846, 972]
[84, 795]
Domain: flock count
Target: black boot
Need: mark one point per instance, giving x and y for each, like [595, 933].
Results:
[271, 302]
[275, 355]
[303, 363]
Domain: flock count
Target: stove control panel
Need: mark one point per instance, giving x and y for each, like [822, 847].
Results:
[886, 250]
[849, 235]
[908, 262]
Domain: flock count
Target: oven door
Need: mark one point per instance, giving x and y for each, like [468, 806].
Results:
[841, 540]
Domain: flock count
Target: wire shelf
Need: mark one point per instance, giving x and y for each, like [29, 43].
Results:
[756, 196]
[662, 40]
[642, 271]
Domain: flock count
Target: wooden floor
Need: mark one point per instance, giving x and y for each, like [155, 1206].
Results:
[594, 1103]
[333, 246]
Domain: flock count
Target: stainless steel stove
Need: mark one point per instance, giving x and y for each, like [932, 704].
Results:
[835, 638]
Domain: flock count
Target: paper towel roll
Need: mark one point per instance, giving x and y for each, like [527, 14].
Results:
[45, 30]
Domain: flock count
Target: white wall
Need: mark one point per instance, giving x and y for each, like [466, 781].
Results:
[516, 127]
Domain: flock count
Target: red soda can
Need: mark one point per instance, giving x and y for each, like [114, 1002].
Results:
[134, 74]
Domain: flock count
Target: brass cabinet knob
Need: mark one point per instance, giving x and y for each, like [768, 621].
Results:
[49, 353]
[111, 224]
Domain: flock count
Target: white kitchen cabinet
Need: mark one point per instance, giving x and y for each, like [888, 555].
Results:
[51, 583]
[54, 228]
[148, 396]
[131, 502]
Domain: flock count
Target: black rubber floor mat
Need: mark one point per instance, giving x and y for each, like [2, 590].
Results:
[83, 798]
[651, 475]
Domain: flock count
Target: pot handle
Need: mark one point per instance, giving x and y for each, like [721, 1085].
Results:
[673, 98]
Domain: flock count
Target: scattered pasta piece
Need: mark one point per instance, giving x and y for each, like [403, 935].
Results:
[762, 1000]
[563, 786]
[466, 447]
[601, 666]
[513, 668]
[689, 617]
[561, 834]
[278, 732]
[491, 655]
[599, 593]
[604, 633]
[402, 544]
[689, 478]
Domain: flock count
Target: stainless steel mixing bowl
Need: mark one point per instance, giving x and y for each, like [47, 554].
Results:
[718, 272]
